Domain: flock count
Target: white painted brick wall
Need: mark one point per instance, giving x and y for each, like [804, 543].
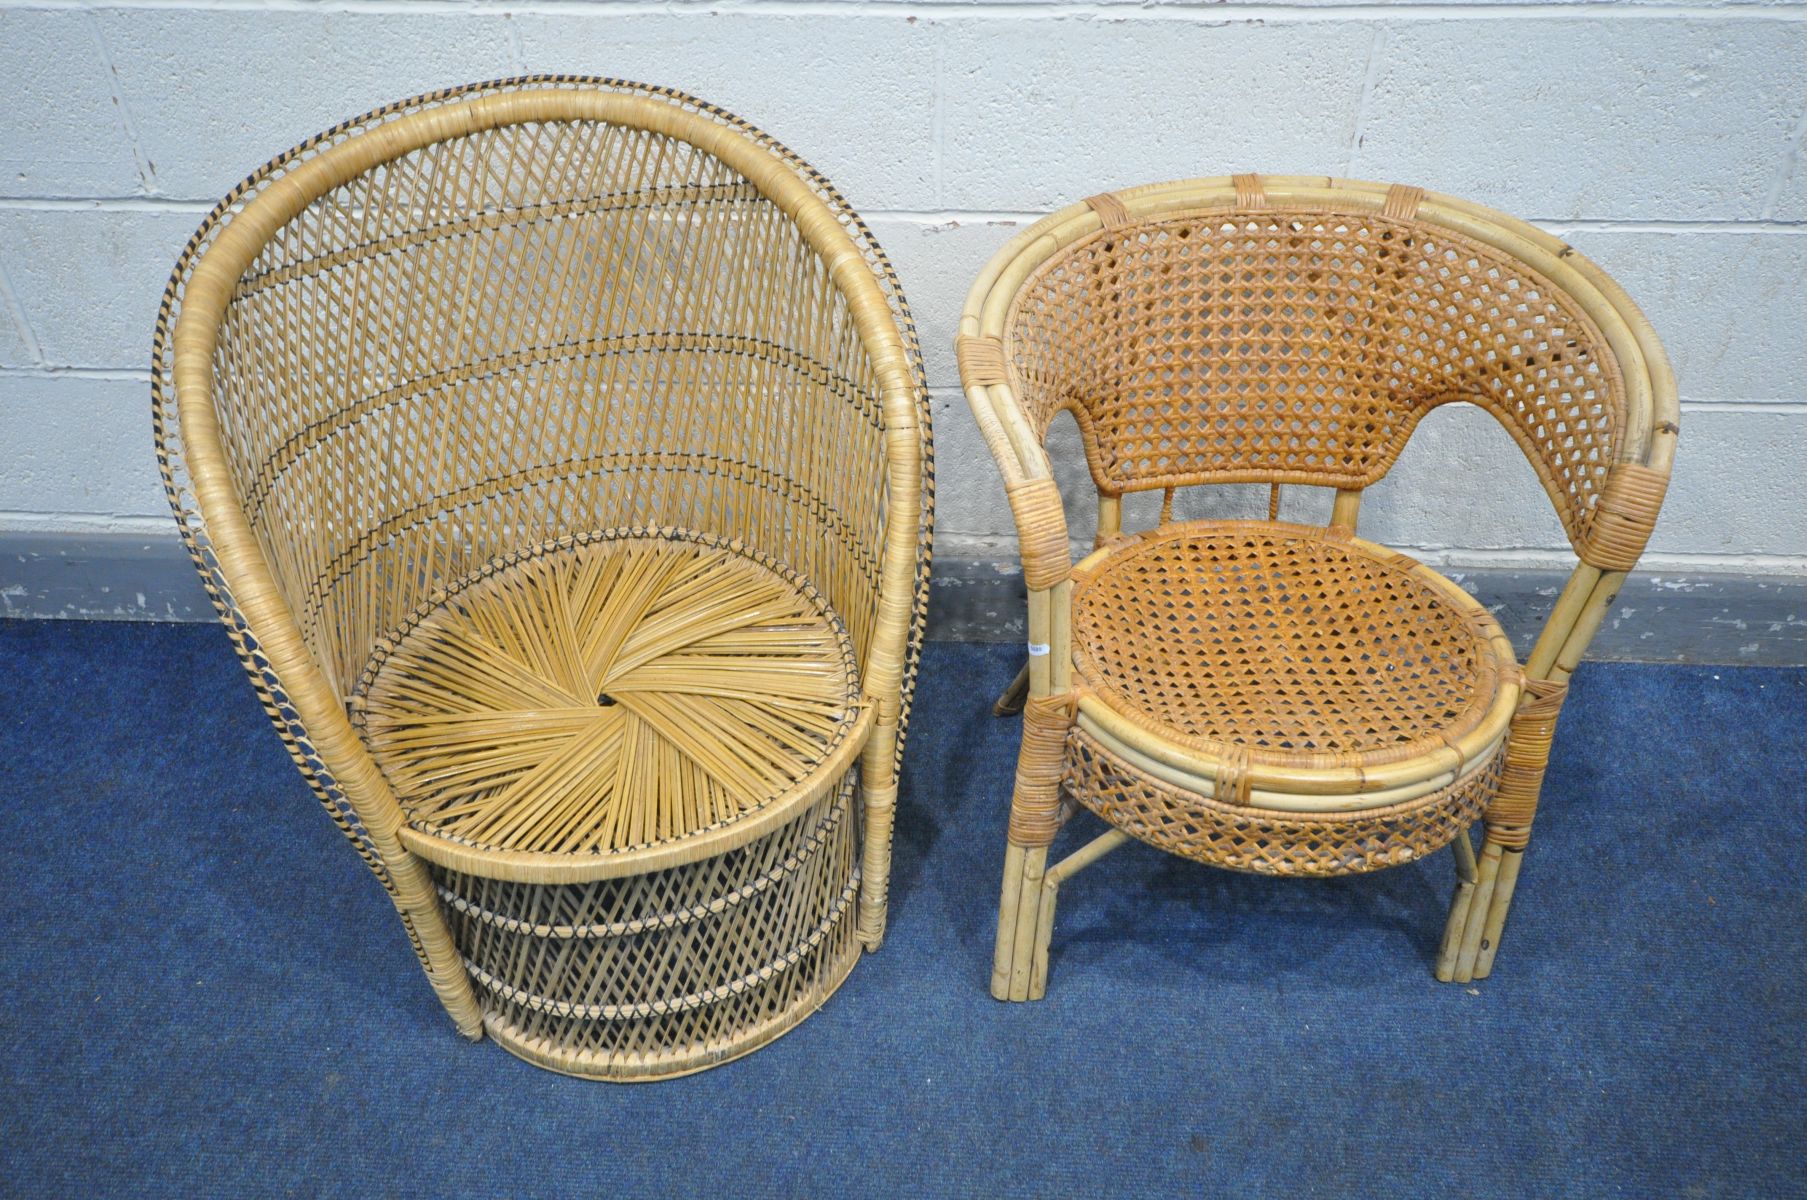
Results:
[60, 133]
[853, 95]
[1660, 138]
[75, 451]
[1633, 119]
[1039, 114]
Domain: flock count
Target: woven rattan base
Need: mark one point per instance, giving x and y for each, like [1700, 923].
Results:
[542, 1053]
[1263, 841]
[664, 973]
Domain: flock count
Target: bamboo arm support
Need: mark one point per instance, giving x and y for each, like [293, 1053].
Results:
[1527, 752]
[1015, 444]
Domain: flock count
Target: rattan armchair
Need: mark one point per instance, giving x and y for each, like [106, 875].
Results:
[1271, 696]
[557, 455]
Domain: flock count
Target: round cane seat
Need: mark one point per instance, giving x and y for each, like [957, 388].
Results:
[610, 702]
[1280, 660]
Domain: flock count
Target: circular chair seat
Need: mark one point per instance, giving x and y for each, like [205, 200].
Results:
[1283, 698]
[610, 703]
[628, 755]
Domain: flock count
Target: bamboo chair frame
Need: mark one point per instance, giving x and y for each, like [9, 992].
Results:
[247, 574]
[1069, 730]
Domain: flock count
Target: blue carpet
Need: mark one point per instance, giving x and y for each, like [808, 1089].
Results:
[203, 993]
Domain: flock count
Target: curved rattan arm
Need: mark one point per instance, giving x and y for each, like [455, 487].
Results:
[295, 689]
[1022, 459]
[1624, 512]
[1035, 505]
[1592, 586]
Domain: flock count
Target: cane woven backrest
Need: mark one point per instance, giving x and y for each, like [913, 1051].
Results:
[493, 316]
[1302, 343]
[532, 330]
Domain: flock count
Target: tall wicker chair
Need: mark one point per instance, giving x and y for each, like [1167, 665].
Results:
[1263, 695]
[557, 454]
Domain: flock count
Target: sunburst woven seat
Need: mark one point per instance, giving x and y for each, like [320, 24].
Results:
[609, 695]
[1280, 697]
[557, 453]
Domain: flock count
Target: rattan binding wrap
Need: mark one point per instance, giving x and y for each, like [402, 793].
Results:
[1259, 694]
[491, 317]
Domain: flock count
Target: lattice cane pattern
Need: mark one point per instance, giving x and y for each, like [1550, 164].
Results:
[1286, 640]
[1263, 841]
[671, 971]
[1303, 346]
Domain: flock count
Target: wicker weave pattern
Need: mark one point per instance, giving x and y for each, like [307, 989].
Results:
[1283, 640]
[442, 442]
[1261, 841]
[192, 521]
[1303, 346]
[492, 317]
[670, 971]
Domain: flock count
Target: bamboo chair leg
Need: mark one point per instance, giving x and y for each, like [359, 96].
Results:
[1458, 909]
[418, 902]
[1035, 815]
[1010, 700]
[1068, 867]
[1479, 910]
[878, 781]
[1019, 916]
[1482, 912]
[1474, 921]
[1496, 912]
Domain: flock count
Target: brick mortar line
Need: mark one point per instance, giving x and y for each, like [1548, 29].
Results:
[948, 394]
[934, 218]
[1000, 547]
[1124, 10]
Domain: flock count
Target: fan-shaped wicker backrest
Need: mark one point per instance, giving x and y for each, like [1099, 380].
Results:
[1301, 342]
[479, 322]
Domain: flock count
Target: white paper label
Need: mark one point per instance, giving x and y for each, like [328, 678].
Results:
[1037, 649]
